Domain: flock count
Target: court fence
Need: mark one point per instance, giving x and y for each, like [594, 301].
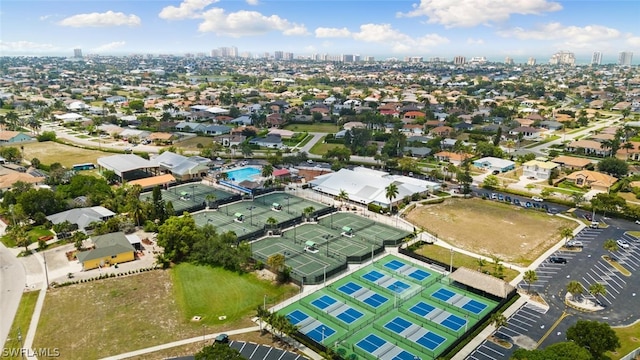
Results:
[423, 258]
[431, 322]
[411, 344]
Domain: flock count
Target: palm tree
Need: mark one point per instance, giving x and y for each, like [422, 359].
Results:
[267, 170]
[575, 289]
[342, 197]
[391, 191]
[530, 276]
[308, 211]
[263, 315]
[596, 289]
[210, 198]
[566, 234]
[610, 245]
[246, 150]
[271, 221]
[481, 263]
[577, 198]
[498, 319]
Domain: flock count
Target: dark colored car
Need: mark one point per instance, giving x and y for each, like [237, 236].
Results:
[588, 217]
[507, 198]
[557, 260]
[222, 339]
[516, 202]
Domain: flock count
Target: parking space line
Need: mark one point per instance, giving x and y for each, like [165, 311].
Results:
[523, 322]
[524, 315]
[519, 327]
[490, 357]
[604, 281]
[515, 332]
[494, 350]
[531, 312]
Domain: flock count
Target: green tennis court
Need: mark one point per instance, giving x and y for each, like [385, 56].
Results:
[364, 228]
[291, 204]
[327, 238]
[224, 223]
[186, 196]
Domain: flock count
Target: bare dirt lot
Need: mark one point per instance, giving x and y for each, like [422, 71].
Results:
[489, 228]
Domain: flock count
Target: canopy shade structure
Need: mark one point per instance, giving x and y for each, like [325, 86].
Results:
[184, 193]
[275, 205]
[346, 229]
[238, 215]
[310, 243]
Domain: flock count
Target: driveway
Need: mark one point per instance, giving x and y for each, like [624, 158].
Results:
[12, 284]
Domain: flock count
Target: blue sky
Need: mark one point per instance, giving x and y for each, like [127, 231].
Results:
[380, 28]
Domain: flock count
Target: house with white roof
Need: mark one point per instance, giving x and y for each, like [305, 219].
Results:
[182, 167]
[493, 164]
[69, 117]
[538, 169]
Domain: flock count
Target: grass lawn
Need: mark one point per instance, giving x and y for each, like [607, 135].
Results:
[192, 143]
[444, 256]
[629, 340]
[231, 295]
[319, 127]
[142, 310]
[50, 152]
[321, 148]
[21, 321]
[38, 231]
[513, 233]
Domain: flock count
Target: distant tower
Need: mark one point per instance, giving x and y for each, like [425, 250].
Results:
[625, 58]
[531, 61]
[508, 61]
[77, 53]
[459, 60]
[596, 59]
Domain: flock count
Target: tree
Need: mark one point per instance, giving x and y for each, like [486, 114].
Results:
[263, 315]
[390, 192]
[271, 222]
[547, 193]
[20, 237]
[342, 196]
[177, 236]
[465, 178]
[491, 182]
[498, 137]
[610, 245]
[308, 211]
[595, 336]
[575, 289]
[613, 166]
[607, 202]
[78, 238]
[498, 319]
[218, 351]
[530, 276]
[566, 234]
[267, 170]
[597, 289]
[276, 262]
[566, 350]
[578, 198]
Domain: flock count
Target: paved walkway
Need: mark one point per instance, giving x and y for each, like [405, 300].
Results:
[180, 343]
[12, 284]
[35, 318]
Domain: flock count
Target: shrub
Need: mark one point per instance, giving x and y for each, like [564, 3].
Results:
[46, 136]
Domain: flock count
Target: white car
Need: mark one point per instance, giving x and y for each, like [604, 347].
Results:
[623, 244]
[537, 198]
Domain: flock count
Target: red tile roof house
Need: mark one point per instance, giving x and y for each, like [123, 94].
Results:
[414, 115]
[588, 147]
[454, 158]
[631, 153]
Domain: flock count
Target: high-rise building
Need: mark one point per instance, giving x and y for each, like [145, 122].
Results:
[77, 53]
[278, 55]
[596, 59]
[563, 58]
[508, 61]
[459, 60]
[625, 58]
[531, 61]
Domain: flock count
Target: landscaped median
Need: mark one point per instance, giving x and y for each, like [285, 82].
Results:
[621, 269]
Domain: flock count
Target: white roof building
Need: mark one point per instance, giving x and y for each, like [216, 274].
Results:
[369, 186]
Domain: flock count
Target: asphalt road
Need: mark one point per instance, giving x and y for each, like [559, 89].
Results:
[12, 282]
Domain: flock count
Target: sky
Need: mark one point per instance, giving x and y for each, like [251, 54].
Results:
[494, 29]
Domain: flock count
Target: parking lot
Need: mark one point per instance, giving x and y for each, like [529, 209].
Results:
[542, 326]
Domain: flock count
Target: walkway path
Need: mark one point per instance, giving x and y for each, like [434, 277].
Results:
[35, 318]
[12, 283]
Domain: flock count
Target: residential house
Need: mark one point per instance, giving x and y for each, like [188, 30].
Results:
[527, 133]
[632, 153]
[588, 147]
[216, 130]
[551, 125]
[109, 249]
[230, 140]
[187, 126]
[13, 137]
[592, 179]
[538, 169]
[182, 168]
[7, 181]
[115, 100]
[275, 120]
[495, 164]
[524, 122]
[452, 157]
[414, 115]
[412, 129]
[572, 163]
[621, 105]
[441, 131]
[418, 152]
[242, 120]
[272, 141]
[82, 217]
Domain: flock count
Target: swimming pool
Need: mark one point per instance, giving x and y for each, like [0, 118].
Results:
[242, 174]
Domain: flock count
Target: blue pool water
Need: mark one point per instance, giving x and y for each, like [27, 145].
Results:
[242, 174]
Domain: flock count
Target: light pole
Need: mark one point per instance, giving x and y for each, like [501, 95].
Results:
[250, 208]
[288, 197]
[451, 263]
[371, 253]
[325, 275]
[323, 335]
[46, 271]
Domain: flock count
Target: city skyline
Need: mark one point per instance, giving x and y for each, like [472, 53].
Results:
[382, 29]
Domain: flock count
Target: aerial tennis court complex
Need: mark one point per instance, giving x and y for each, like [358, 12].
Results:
[188, 196]
[392, 309]
[317, 251]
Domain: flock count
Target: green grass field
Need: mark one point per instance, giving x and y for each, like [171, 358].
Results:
[214, 292]
[629, 340]
[321, 148]
[50, 152]
[21, 321]
[326, 128]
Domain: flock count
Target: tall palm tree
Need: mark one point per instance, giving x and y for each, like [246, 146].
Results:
[342, 197]
[391, 191]
[498, 319]
[610, 245]
[267, 170]
[530, 276]
[566, 234]
[575, 289]
[210, 198]
[596, 289]
[271, 222]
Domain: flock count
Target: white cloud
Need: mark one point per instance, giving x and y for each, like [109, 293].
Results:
[472, 41]
[253, 2]
[468, 13]
[323, 32]
[633, 40]
[576, 36]
[108, 18]
[45, 17]
[246, 23]
[27, 46]
[109, 47]
[188, 9]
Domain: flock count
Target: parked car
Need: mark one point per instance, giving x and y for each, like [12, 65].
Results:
[507, 198]
[594, 225]
[557, 260]
[528, 204]
[494, 196]
[637, 221]
[537, 198]
[516, 202]
[588, 217]
[222, 339]
[536, 205]
[553, 211]
[623, 244]
[500, 197]
[495, 172]
[575, 243]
